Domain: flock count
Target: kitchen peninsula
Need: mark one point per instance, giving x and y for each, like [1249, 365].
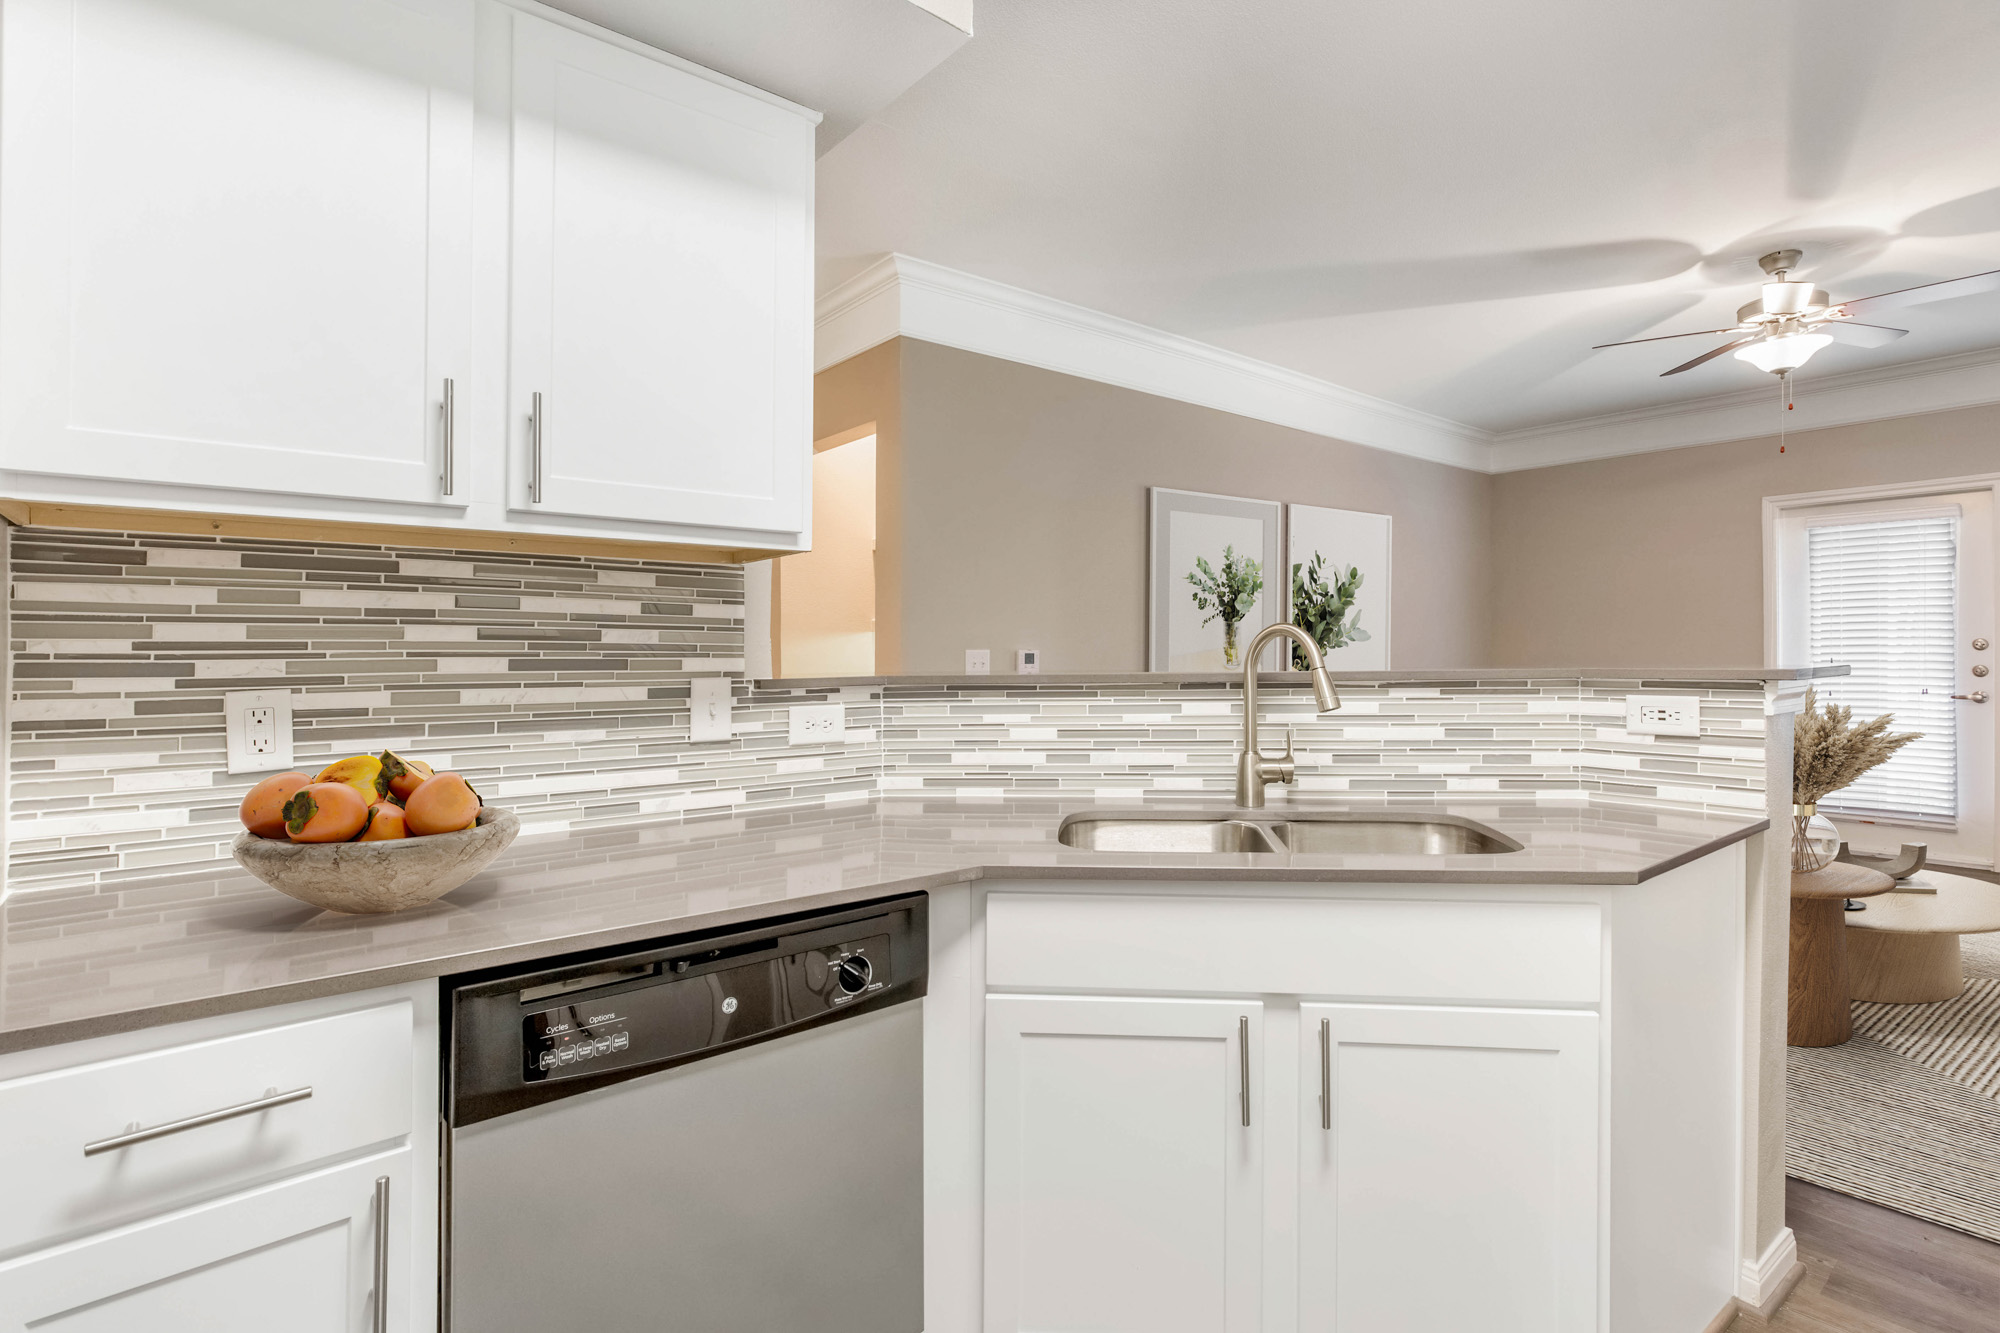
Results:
[1249, 1033]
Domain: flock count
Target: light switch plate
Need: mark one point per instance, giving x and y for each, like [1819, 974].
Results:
[710, 709]
[978, 661]
[258, 726]
[1663, 714]
[819, 724]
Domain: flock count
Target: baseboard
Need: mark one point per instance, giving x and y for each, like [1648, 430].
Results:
[1765, 1281]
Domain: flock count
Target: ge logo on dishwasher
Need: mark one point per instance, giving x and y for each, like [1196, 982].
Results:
[729, 1004]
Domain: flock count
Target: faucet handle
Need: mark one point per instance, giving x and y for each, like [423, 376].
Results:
[1288, 744]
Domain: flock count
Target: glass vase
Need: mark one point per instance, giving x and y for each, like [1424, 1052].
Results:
[1815, 840]
[1229, 643]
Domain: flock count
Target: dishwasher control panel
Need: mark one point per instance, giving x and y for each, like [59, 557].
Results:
[684, 1009]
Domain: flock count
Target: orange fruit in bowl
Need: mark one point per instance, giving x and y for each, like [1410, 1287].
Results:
[325, 812]
[444, 803]
[385, 821]
[263, 810]
[403, 776]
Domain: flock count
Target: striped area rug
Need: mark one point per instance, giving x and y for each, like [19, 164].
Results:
[1905, 1114]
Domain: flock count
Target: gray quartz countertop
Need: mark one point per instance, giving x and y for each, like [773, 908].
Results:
[81, 963]
[1651, 677]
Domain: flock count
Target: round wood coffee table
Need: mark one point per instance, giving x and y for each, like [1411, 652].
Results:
[1817, 1013]
[1904, 948]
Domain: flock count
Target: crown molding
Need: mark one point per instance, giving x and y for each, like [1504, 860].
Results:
[898, 296]
[1939, 384]
[901, 296]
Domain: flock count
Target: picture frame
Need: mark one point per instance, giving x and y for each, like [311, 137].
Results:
[1184, 525]
[1346, 540]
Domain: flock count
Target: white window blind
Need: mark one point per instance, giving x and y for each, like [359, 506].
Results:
[1882, 599]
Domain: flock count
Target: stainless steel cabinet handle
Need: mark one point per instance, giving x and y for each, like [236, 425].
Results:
[381, 1255]
[535, 451]
[448, 409]
[1325, 1073]
[1977, 696]
[1243, 1049]
[195, 1121]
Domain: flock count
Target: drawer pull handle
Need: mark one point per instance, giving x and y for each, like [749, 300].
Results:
[196, 1121]
[380, 1324]
[1325, 1073]
[1243, 1048]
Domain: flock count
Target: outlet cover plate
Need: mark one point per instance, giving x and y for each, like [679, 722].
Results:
[258, 726]
[710, 709]
[1663, 714]
[819, 724]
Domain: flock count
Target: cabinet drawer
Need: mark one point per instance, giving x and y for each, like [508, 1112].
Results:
[1401, 949]
[357, 1066]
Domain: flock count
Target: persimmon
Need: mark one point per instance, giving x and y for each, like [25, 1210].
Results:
[403, 776]
[445, 803]
[263, 810]
[325, 812]
[385, 821]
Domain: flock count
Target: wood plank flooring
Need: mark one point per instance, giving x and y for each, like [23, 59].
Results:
[1873, 1270]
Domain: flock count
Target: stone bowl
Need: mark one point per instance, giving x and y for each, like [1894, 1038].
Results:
[388, 876]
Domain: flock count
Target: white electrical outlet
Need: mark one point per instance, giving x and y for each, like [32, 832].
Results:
[819, 724]
[710, 705]
[978, 661]
[1028, 662]
[258, 727]
[1663, 714]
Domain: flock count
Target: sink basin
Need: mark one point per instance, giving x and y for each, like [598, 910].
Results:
[1380, 833]
[1116, 833]
[1418, 835]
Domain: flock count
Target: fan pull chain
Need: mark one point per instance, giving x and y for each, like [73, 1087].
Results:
[1784, 401]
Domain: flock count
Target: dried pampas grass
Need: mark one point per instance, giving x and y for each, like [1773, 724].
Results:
[1830, 752]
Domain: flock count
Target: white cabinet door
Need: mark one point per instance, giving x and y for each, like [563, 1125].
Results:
[662, 256]
[235, 244]
[297, 1256]
[1123, 1186]
[1450, 1172]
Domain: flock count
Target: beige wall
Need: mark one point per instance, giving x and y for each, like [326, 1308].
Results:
[1023, 514]
[1657, 559]
[825, 598]
[866, 390]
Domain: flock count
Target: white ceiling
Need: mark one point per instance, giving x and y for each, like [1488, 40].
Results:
[1444, 203]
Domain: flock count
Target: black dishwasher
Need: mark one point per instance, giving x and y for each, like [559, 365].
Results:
[713, 1134]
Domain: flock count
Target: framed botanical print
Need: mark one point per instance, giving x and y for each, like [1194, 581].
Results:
[1215, 576]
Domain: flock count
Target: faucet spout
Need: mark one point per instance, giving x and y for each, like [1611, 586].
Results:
[1253, 768]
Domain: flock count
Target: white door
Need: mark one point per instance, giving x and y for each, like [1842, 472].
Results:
[1901, 591]
[662, 291]
[1122, 1181]
[235, 244]
[297, 1256]
[1449, 1170]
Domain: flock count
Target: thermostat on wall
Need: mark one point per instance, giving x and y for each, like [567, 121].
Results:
[1028, 661]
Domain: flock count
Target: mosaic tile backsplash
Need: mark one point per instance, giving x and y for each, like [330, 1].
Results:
[559, 686]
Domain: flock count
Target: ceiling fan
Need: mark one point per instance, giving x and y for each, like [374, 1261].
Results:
[1780, 330]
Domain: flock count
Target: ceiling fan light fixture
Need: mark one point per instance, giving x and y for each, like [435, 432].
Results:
[1785, 353]
[1793, 298]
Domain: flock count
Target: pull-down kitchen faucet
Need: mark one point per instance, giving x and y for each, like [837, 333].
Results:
[1253, 767]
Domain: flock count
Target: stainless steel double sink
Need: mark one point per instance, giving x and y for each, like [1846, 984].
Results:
[1341, 833]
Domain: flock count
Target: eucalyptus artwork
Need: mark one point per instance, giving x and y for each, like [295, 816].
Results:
[1829, 752]
[1321, 610]
[1230, 595]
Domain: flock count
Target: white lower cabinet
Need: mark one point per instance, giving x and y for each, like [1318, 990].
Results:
[1124, 1164]
[269, 1171]
[1448, 1169]
[301, 1255]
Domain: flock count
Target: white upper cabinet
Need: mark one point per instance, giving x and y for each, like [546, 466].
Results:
[235, 246]
[661, 293]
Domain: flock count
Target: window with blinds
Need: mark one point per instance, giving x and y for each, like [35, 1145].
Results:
[1882, 599]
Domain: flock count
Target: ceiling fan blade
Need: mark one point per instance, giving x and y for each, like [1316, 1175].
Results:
[1949, 289]
[1700, 333]
[1860, 335]
[1709, 355]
